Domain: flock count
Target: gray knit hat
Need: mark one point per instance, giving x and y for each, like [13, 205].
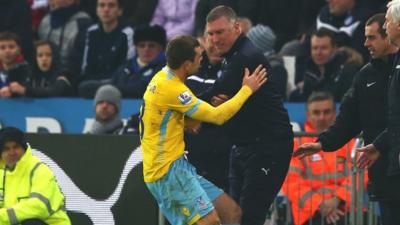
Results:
[262, 37]
[108, 93]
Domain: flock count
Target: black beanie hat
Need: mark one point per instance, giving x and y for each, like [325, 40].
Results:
[12, 134]
[154, 33]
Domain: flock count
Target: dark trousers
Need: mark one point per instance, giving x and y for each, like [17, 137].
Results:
[33, 222]
[256, 175]
[390, 212]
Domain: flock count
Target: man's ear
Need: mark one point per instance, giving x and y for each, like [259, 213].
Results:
[236, 27]
[187, 64]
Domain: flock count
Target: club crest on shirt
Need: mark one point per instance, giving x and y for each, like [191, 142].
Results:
[201, 204]
[185, 98]
[152, 88]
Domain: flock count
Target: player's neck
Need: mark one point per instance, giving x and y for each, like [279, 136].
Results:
[180, 73]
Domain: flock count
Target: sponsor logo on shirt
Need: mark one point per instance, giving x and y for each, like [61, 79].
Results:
[186, 211]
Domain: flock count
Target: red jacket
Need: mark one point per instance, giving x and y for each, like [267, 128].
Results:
[317, 177]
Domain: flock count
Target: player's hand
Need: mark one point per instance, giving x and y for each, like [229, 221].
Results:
[307, 149]
[334, 216]
[327, 206]
[368, 157]
[5, 92]
[15, 87]
[192, 126]
[256, 79]
[219, 99]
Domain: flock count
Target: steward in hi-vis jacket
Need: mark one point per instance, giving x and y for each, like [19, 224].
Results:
[322, 176]
[28, 188]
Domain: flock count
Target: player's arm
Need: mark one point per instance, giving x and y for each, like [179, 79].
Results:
[219, 115]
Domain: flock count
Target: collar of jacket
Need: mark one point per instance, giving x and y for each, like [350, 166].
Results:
[135, 68]
[117, 29]
[238, 43]
[330, 67]
[18, 59]
[382, 63]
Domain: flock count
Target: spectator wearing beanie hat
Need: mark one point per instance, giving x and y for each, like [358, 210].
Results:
[8, 134]
[107, 104]
[134, 75]
[264, 38]
[27, 177]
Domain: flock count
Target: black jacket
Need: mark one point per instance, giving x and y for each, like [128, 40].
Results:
[336, 79]
[52, 83]
[209, 149]
[388, 142]
[132, 79]
[104, 52]
[263, 115]
[363, 109]
[18, 73]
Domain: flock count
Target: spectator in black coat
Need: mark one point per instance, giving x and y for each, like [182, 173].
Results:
[132, 77]
[47, 79]
[328, 69]
[107, 45]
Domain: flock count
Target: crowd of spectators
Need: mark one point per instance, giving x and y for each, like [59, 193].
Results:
[72, 47]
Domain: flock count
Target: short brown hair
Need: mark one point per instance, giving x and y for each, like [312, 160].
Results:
[221, 11]
[318, 96]
[324, 32]
[180, 49]
[9, 36]
[380, 19]
[41, 42]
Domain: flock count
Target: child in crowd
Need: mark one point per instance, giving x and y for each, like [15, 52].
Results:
[47, 78]
[13, 67]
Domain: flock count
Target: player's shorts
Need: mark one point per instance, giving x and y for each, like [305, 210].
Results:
[183, 196]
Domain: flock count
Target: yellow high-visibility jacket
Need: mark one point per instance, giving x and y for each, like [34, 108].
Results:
[30, 191]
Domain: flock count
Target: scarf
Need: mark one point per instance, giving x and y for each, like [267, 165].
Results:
[110, 127]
